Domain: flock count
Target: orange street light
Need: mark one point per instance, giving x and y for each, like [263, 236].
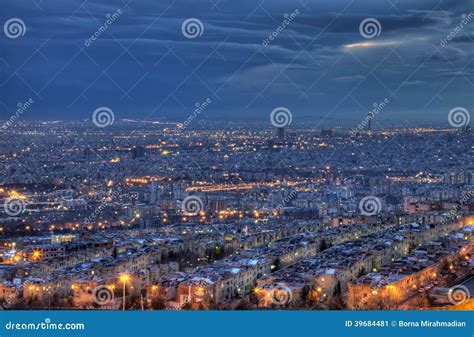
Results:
[124, 278]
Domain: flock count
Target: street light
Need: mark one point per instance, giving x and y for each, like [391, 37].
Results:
[124, 278]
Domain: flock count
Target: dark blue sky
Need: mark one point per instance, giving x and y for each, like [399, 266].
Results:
[142, 66]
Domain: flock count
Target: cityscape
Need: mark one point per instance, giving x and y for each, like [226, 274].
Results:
[213, 155]
[228, 216]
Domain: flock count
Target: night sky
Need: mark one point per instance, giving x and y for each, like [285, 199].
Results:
[319, 66]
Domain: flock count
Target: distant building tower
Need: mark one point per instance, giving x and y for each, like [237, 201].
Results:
[138, 152]
[280, 134]
[153, 192]
[217, 205]
[87, 152]
[370, 115]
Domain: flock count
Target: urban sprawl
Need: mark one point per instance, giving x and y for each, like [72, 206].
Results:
[234, 216]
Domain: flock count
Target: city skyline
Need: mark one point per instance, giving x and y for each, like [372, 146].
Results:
[170, 217]
[213, 155]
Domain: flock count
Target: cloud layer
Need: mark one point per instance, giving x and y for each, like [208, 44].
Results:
[318, 64]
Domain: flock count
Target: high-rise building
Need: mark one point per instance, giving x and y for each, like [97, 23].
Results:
[280, 132]
[370, 115]
[138, 152]
[217, 205]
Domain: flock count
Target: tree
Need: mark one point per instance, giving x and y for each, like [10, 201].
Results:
[324, 245]
[133, 301]
[244, 304]
[186, 306]
[305, 291]
[337, 288]
[215, 253]
[277, 264]
[158, 303]
[201, 307]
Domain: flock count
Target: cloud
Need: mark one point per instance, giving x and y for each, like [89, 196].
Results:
[349, 78]
[143, 61]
